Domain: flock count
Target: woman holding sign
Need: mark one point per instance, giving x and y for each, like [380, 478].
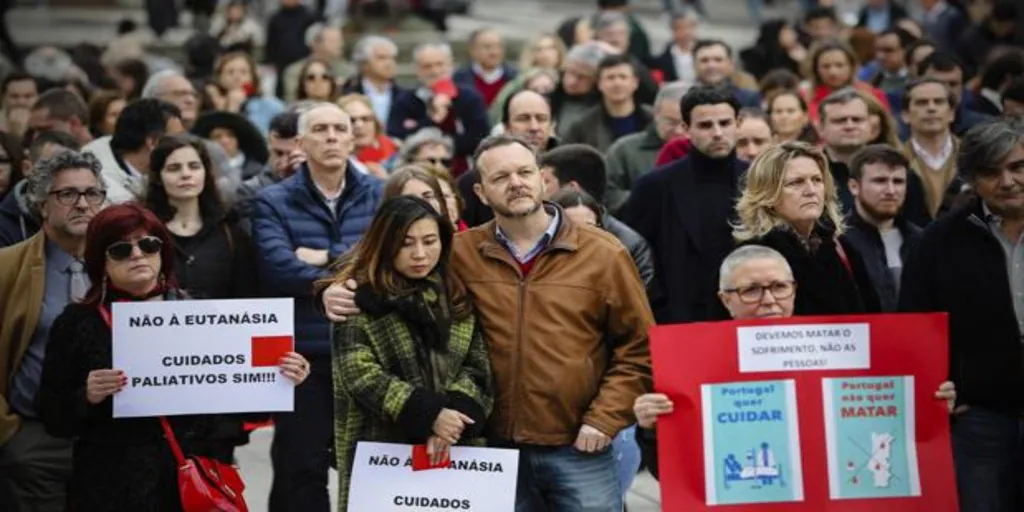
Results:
[122, 464]
[413, 367]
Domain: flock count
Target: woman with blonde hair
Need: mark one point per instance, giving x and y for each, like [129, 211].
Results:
[790, 204]
[546, 51]
[373, 147]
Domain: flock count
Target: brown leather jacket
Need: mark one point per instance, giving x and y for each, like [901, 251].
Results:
[568, 343]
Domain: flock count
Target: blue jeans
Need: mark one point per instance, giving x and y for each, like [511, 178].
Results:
[561, 479]
[627, 458]
[987, 453]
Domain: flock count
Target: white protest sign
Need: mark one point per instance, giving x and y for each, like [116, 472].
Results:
[479, 479]
[202, 356]
[795, 347]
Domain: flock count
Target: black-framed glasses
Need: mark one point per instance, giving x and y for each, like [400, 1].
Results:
[120, 251]
[69, 196]
[753, 294]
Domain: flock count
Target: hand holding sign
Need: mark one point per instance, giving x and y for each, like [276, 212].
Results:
[649, 406]
[103, 383]
[295, 367]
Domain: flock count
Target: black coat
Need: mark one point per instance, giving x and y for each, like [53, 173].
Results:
[664, 209]
[287, 36]
[119, 464]
[409, 114]
[896, 13]
[959, 267]
[866, 240]
[825, 284]
[218, 262]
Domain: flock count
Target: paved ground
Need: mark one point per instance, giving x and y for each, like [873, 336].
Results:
[255, 462]
[728, 20]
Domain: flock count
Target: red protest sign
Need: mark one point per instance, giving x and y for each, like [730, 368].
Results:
[823, 414]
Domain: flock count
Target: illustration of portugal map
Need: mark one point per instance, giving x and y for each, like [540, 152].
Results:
[869, 433]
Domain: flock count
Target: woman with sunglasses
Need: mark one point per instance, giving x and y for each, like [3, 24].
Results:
[317, 83]
[121, 463]
[413, 366]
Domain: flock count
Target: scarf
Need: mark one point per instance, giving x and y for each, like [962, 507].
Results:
[426, 309]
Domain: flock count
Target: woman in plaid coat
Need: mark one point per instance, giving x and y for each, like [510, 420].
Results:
[413, 367]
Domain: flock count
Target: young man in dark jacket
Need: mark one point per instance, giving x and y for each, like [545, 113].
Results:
[300, 226]
[884, 239]
[970, 264]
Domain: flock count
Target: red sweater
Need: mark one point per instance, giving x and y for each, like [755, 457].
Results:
[489, 91]
[673, 150]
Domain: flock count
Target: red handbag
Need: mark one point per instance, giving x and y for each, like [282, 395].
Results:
[204, 484]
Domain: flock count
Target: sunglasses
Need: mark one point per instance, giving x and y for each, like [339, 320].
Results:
[148, 246]
[443, 162]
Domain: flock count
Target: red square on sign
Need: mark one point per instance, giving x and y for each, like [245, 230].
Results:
[268, 350]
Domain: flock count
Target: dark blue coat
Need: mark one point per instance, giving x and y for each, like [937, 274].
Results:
[293, 214]
[410, 114]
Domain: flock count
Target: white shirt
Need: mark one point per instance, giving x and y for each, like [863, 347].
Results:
[683, 61]
[331, 199]
[488, 77]
[381, 101]
[936, 161]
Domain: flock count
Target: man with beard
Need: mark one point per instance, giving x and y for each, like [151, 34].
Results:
[560, 404]
[300, 226]
[682, 209]
[970, 264]
[878, 182]
[845, 127]
[526, 114]
[38, 278]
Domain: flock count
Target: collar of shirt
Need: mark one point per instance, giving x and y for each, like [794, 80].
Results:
[488, 77]
[993, 221]
[542, 243]
[56, 257]
[935, 161]
[370, 89]
[994, 97]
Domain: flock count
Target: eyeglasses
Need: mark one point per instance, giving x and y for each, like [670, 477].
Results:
[120, 251]
[69, 196]
[754, 293]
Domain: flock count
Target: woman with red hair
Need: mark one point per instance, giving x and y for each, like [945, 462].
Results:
[122, 463]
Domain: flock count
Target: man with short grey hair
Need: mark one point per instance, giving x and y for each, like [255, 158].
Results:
[633, 156]
[38, 278]
[574, 95]
[455, 109]
[376, 58]
[172, 86]
[300, 225]
[970, 264]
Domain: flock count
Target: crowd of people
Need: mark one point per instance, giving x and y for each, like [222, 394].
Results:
[477, 259]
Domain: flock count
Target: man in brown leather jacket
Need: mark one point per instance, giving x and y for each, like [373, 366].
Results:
[566, 317]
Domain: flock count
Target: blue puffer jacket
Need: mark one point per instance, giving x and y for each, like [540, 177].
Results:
[293, 214]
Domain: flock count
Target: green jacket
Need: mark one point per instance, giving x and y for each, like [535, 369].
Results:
[381, 387]
[628, 159]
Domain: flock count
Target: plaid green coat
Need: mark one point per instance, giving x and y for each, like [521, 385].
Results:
[380, 386]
